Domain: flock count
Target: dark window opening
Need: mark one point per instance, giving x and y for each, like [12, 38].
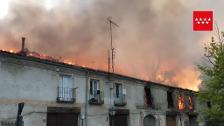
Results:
[91, 87]
[190, 102]
[170, 99]
[209, 105]
[148, 97]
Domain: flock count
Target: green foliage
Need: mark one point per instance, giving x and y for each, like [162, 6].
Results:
[214, 82]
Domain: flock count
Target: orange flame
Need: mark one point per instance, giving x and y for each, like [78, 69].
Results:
[11, 51]
[181, 103]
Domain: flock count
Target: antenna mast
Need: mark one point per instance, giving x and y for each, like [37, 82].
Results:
[108, 60]
[111, 44]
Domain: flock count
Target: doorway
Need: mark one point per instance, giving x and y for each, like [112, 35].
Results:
[62, 117]
[171, 120]
[120, 118]
[149, 120]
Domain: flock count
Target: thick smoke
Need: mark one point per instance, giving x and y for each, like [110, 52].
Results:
[154, 40]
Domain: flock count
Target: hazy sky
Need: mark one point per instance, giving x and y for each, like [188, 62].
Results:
[155, 39]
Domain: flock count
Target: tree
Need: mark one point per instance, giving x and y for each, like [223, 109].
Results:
[213, 93]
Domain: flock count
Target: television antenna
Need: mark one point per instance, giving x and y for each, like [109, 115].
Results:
[112, 49]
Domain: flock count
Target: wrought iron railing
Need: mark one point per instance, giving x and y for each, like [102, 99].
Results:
[120, 101]
[97, 99]
[66, 94]
[8, 123]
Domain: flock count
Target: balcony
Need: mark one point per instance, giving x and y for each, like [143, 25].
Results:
[120, 101]
[97, 99]
[66, 95]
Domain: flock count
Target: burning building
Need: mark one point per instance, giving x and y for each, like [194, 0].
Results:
[61, 94]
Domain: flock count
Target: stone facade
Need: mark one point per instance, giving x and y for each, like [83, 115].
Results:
[97, 96]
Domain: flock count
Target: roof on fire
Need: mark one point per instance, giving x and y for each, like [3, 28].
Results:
[61, 64]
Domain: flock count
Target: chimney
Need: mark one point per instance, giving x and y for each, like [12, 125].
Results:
[23, 50]
[23, 45]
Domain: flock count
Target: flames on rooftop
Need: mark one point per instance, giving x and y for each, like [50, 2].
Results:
[151, 42]
[158, 78]
[26, 52]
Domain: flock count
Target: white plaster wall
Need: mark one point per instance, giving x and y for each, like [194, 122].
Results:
[135, 95]
[159, 98]
[135, 119]
[35, 119]
[162, 120]
[80, 85]
[22, 82]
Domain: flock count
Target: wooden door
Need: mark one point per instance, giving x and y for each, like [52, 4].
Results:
[119, 120]
[52, 119]
[62, 119]
[170, 120]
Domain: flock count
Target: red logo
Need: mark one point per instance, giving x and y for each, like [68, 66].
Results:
[203, 20]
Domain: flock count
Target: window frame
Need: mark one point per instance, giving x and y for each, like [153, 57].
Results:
[92, 92]
[66, 89]
[118, 90]
[61, 84]
[170, 99]
[148, 96]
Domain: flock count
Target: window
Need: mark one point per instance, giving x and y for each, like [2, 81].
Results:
[66, 81]
[65, 89]
[119, 92]
[94, 88]
[209, 105]
[96, 95]
[190, 102]
[120, 95]
[148, 97]
[170, 99]
[181, 105]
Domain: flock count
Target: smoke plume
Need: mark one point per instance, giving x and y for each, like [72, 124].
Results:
[154, 40]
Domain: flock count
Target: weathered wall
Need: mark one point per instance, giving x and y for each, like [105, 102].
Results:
[36, 85]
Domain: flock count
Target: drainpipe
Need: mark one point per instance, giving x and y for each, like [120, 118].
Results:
[86, 98]
[19, 119]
